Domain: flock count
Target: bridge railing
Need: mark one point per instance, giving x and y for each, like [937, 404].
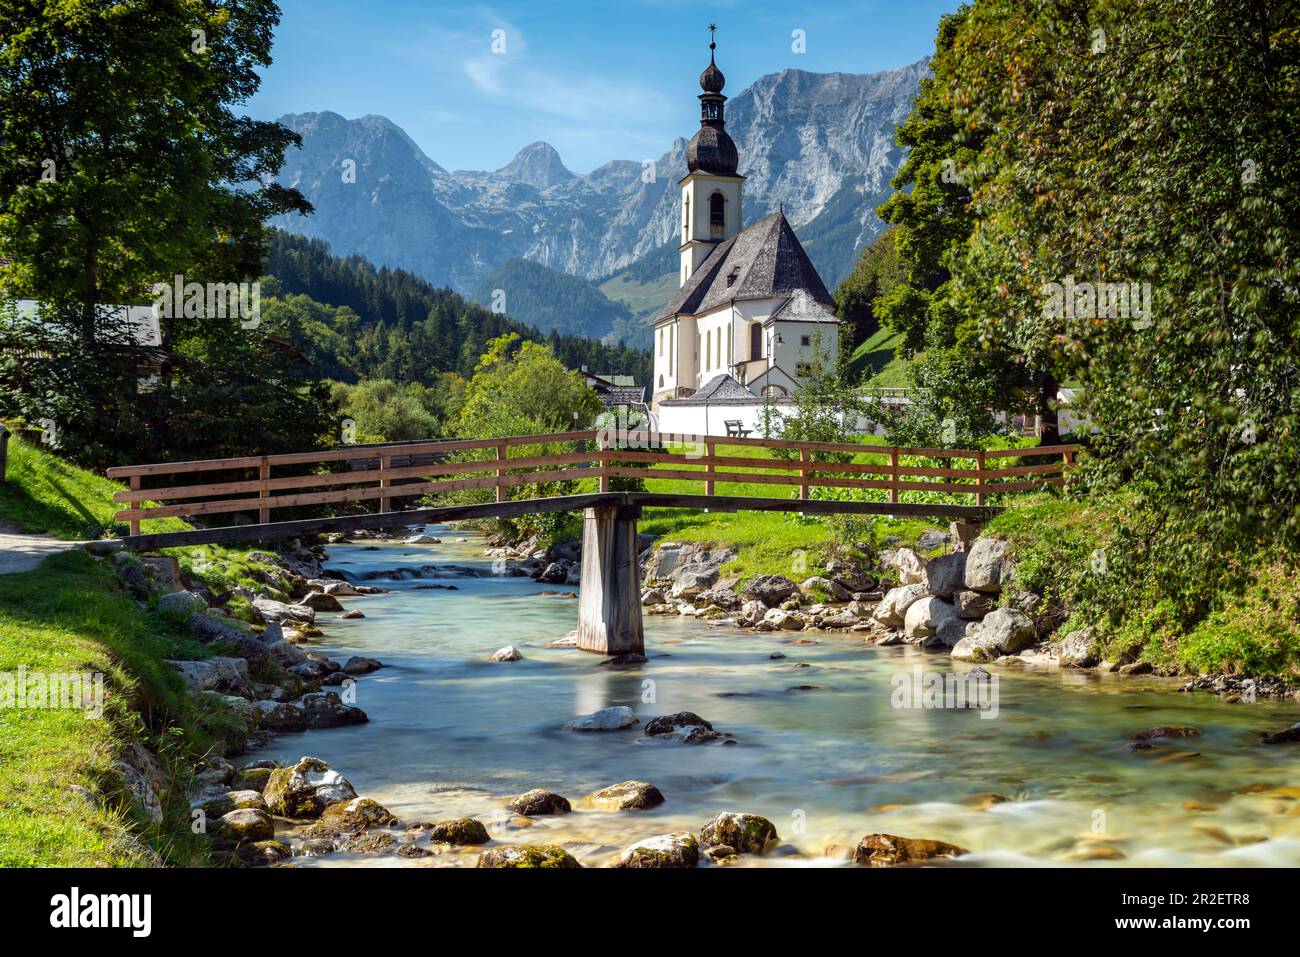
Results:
[356, 481]
[351, 475]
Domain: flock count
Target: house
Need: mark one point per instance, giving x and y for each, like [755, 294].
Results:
[750, 307]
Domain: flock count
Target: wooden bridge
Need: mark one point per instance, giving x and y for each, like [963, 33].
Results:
[810, 474]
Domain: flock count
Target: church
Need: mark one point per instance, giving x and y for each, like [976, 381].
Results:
[751, 310]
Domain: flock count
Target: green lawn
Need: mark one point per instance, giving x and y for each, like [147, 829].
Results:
[69, 616]
[45, 494]
[875, 364]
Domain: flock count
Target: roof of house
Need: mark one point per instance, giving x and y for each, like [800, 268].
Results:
[762, 262]
[720, 389]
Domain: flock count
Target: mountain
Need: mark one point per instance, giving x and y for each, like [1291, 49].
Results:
[548, 299]
[821, 145]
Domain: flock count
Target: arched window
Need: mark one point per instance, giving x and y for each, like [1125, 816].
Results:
[661, 380]
[717, 214]
[686, 218]
[708, 350]
[756, 340]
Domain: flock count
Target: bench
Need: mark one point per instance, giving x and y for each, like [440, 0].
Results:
[736, 429]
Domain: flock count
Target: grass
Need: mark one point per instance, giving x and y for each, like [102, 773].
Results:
[875, 362]
[43, 494]
[642, 298]
[70, 617]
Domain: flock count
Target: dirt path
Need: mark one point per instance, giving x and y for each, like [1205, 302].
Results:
[22, 553]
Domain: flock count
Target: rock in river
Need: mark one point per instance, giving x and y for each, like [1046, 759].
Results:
[244, 826]
[306, 789]
[527, 855]
[508, 653]
[747, 833]
[359, 814]
[886, 850]
[1004, 632]
[678, 850]
[537, 802]
[464, 830]
[606, 719]
[628, 796]
[770, 589]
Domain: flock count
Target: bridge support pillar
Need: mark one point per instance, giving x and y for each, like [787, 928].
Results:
[609, 597]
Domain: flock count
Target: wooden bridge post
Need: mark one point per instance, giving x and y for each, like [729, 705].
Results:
[264, 476]
[709, 448]
[503, 453]
[609, 597]
[804, 458]
[979, 478]
[385, 503]
[135, 522]
[893, 475]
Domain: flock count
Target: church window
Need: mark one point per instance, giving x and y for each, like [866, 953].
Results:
[805, 341]
[756, 340]
[717, 210]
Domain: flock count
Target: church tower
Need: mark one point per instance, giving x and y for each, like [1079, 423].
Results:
[711, 187]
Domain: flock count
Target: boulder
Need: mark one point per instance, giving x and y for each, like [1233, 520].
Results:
[782, 620]
[685, 726]
[909, 566]
[751, 613]
[287, 653]
[280, 611]
[210, 630]
[252, 779]
[320, 601]
[628, 796]
[691, 581]
[261, 853]
[164, 573]
[244, 826]
[606, 719]
[833, 589]
[677, 850]
[217, 673]
[933, 617]
[527, 855]
[1078, 649]
[423, 539]
[946, 574]
[892, 610]
[1002, 632]
[931, 539]
[538, 802]
[886, 850]
[987, 565]
[462, 831]
[181, 604]
[144, 781]
[771, 590]
[339, 589]
[306, 789]
[653, 596]
[853, 577]
[379, 842]
[973, 605]
[508, 653]
[357, 665]
[358, 814]
[325, 709]
[746, 833]
[223, 804]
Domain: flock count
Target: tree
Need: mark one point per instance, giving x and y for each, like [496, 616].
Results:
[520, 388]
[964, 381]
[877, 272]
[122, 162]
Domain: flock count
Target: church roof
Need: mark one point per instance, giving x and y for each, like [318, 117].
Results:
[721, 388]
[764, 261]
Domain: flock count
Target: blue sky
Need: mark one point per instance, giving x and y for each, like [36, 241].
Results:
[598, 80]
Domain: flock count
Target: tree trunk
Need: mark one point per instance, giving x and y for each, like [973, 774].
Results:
[1049, 432]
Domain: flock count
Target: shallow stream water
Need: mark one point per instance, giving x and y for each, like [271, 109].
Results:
[1051, 779]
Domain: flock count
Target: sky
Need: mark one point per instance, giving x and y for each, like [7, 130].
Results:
[599, 80]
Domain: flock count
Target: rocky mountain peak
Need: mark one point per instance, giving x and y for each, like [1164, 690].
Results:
[537, 164]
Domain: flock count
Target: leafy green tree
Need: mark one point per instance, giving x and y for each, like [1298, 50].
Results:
[520, 388]
[967, 386]
[387, 411]
[122, 160]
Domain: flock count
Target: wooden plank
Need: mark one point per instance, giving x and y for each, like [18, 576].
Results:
[1030, 452]
[1045, 469]
[135, 522]
[385, 480]
[893, 465]
[793, 481]
[804, 457]
[503, 453]
[355, 495]
[347, 478]
[563, 503]
[341, 455]
[979, 465]
[710, 467]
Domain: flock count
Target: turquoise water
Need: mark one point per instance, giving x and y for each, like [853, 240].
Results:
[452, 735]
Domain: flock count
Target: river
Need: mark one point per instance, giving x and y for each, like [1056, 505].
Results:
[1051, 779]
